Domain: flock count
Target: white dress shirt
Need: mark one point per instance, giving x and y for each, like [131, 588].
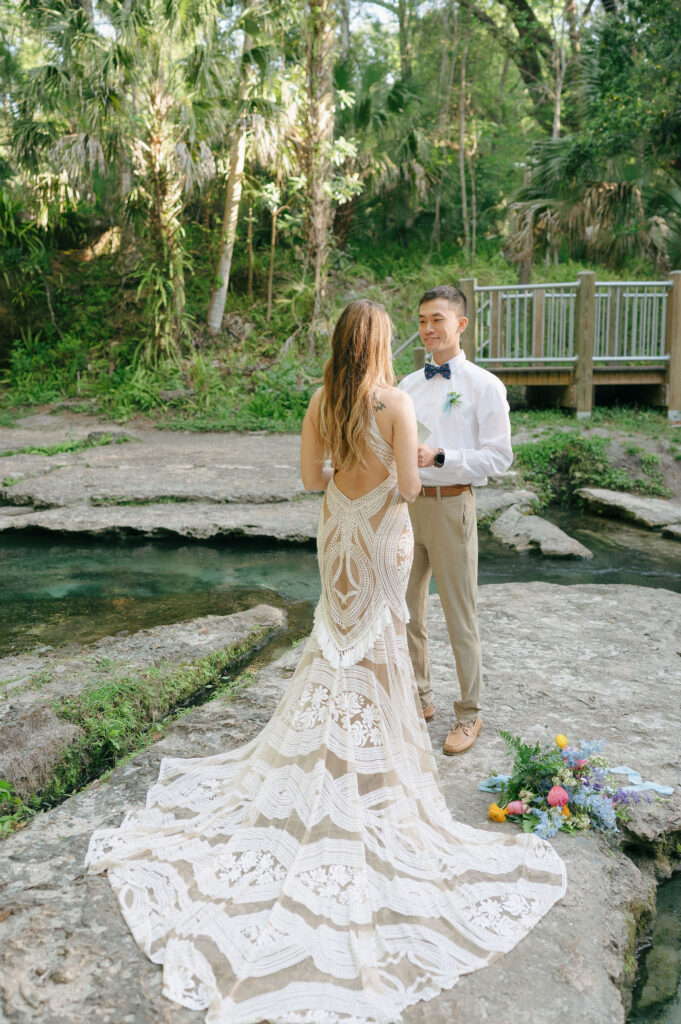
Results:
[474, 433]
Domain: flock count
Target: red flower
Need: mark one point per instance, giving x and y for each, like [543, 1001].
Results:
[557, 796]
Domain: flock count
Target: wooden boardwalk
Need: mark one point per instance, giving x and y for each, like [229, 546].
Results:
[564, 341]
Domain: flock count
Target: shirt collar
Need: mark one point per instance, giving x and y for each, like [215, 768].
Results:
[456, 361]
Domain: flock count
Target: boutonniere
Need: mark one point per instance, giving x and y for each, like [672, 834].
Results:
[451, 401]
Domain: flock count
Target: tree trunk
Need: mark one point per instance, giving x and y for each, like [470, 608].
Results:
[237, 157]
[531, 52]
[164, 257]
[319, 121]
[558, 92]
[559, 67]
[343, 217]
[344, 29]
[270, 269]
[525, 261]
[127, 256]
[446, 84]
[462, 141]
[216, 309]
[249, 246]
[474, 205]
[403, 20]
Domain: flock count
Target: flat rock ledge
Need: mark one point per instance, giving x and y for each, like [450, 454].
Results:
[524, 532]
[34, 739]
[654, 513]
[163, 483]
[285, 521]
[584, 660]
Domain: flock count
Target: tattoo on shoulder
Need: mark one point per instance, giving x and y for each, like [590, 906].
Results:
[378, 405]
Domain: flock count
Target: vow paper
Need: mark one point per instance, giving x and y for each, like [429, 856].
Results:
[423, 431]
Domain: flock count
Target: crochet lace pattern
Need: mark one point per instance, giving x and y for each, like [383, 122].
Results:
[315, 875]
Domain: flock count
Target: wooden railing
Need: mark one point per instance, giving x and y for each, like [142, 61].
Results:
[536, 323]
[525, 323]
[576, 334]
[631, 321]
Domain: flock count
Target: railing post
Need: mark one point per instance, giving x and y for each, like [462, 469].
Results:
[496, 324]
[469, 341]
[673, 347]
[538, 333]
[585, 329]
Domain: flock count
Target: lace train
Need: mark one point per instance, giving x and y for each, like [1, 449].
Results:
[316, 874]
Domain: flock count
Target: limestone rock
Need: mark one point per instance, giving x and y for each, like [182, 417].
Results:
[32, 737]
[489, 501]
[650, 512]
[160, 466]
[291, 521]
[557, 659]
[525, 532]
[673, 531]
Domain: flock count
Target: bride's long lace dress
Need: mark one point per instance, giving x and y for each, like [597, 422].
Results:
[315, 874]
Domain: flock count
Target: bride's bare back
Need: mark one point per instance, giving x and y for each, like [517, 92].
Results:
[396, 420]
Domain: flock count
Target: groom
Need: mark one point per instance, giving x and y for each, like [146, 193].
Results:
[466, 411]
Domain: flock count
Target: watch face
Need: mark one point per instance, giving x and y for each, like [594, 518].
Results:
[439, 459]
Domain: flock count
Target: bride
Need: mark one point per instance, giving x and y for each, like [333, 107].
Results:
[315, 874]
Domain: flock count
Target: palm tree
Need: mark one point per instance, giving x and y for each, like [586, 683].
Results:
[125, 101]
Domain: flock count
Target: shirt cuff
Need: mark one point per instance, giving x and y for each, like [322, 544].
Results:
[453, 458]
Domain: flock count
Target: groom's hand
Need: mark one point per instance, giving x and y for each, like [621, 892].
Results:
[426, 455]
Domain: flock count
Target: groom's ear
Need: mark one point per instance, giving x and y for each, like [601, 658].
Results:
[463, 324]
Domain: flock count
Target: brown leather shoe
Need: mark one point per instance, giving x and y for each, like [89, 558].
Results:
[428, 712]
[462, 736]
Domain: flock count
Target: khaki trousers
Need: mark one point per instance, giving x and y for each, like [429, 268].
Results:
[446, 546]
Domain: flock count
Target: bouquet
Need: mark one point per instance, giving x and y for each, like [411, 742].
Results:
[561, 788]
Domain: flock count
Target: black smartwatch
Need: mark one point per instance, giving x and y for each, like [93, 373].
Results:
[439, 459]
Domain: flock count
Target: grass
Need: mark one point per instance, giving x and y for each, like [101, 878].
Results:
[63, 447]
[560, 462]
[39, 680]
[632, 420]
[14, 813]
[124, 715]
[10, 481]
[166, 499]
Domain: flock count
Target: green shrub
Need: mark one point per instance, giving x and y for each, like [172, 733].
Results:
[562, 461]
[42, 369]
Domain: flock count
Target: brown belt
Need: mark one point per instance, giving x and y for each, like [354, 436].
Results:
[449, 491]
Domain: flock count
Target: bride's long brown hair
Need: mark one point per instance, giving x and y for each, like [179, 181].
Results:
[360, 361]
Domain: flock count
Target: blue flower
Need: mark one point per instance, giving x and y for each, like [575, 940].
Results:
[598, 806]
[549, 822]
[585, 749]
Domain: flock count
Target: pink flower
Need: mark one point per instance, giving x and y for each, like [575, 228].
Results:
[557, 796]
[515, 807]
[580, 764]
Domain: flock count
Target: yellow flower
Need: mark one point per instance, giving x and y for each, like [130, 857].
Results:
[566, 811]
[561, 740]
[497, 813]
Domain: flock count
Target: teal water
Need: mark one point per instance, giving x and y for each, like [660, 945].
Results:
[57, 590]
[657, 995]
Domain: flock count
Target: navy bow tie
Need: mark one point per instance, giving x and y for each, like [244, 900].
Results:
[430, 369]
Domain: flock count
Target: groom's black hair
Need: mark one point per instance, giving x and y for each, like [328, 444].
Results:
[446, 291]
